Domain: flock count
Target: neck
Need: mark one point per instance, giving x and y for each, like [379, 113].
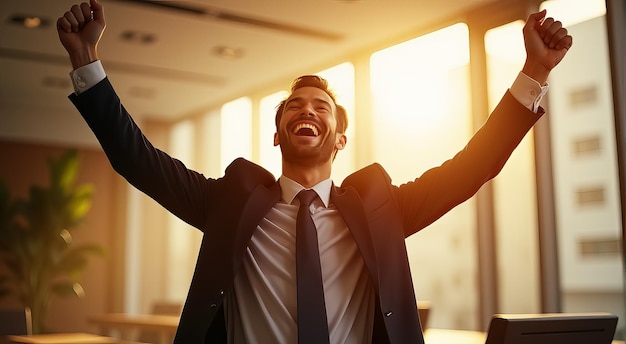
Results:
[305, 175]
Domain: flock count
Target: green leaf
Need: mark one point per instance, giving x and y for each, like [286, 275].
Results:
[64, 171]
[79, 204]
[74, 261]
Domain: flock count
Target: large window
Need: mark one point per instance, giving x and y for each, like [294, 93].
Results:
[588, 209]
[236, 118]
[421, 117]
[182, 241]
[269, 155]
[581, 142]
[515, 213]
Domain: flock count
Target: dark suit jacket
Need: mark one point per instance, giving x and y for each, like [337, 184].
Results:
[227, 210]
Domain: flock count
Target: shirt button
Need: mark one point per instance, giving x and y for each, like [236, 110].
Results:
[388, 314]
[532, 93]
[221, 293]
[81, 84]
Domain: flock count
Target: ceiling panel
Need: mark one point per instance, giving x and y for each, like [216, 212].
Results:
[177, 71]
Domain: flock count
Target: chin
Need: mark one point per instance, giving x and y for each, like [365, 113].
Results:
[310, 153]
[306, 155]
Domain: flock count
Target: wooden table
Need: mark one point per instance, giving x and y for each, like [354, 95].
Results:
[130, 327]
[63, 338]
[441, 336]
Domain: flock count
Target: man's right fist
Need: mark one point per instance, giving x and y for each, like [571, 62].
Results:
[80, 30]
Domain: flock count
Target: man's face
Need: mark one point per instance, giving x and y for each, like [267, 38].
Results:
[307, 131]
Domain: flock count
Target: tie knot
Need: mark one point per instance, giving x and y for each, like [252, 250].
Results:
[306, 196]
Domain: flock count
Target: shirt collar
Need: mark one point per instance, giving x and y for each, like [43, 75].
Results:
[290, 188]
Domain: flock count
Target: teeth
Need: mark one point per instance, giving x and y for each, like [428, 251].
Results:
[306, 125]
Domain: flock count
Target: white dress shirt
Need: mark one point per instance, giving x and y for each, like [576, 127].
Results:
[263, 307]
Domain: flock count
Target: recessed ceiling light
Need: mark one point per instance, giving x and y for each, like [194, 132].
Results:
[29, 21]
[139, 37]
[228, 52]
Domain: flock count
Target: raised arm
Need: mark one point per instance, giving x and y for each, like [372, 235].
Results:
[442, 188]
[182, 191]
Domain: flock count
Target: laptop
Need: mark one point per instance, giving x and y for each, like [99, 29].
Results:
[552, 328]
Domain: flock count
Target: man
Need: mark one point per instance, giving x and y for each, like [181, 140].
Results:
[246, 285]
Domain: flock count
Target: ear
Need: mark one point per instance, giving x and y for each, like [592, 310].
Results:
[341, 141]
[276, 143]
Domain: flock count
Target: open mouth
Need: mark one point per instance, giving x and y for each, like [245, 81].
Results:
[306, 129]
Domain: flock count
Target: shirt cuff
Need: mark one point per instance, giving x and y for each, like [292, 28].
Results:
[83, 78]
[528, 92]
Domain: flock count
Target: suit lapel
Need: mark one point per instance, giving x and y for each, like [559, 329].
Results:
[347, 201]
[261, 200]
[351, 209]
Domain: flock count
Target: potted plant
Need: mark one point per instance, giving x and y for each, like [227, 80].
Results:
[36, 243]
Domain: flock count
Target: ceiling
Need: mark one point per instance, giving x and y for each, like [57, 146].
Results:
[161, 55]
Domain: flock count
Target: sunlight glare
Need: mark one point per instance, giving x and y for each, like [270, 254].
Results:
[506, 42]
[408, 77]
[571, 12]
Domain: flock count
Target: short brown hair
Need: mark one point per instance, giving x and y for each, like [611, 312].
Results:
[322, 84]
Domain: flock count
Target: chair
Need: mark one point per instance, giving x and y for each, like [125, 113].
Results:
[167, 308]
[15, 321]
[423, 309]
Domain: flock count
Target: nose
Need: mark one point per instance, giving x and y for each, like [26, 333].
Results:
[307, 110]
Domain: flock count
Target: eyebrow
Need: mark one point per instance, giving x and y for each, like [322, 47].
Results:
[298, 99]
